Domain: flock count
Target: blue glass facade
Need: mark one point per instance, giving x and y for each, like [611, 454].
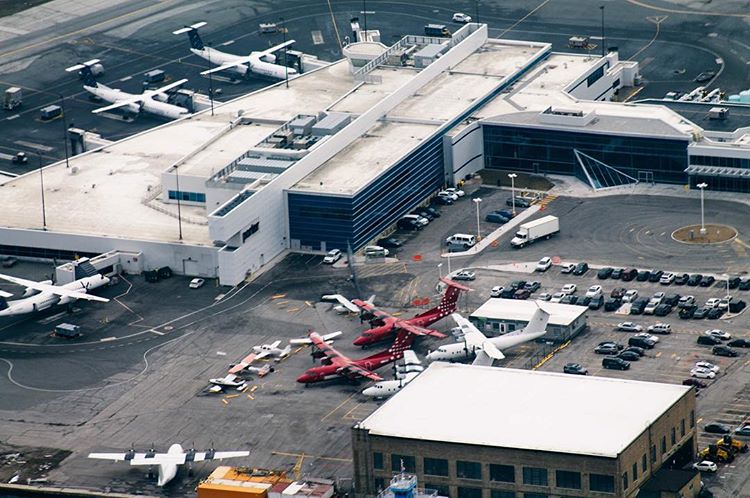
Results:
[551, 151]
[360, 218]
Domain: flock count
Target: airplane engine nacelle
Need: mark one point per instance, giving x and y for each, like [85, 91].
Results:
[269, 58]
[28, 292]
[161, 97]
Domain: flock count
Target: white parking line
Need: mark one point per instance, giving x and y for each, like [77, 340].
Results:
[13, 117]
[126, 78]
[227, 43]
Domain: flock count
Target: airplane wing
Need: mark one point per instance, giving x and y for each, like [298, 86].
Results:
[164, 88]
[117, 105]
[416, 330]
[53, 289]
[135, 99]
[5, 294]
[328, 351]
[218, 455]
[275, 344]
[228, 65]
[411, 358]
[306, 340]
[488, 354]
[472, 335]
[273, 49]
[115, 457]
[244, 363]
[357, 371]
[343, 301]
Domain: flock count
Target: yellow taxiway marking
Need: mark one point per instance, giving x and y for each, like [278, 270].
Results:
[224, 401]
[658, 354]
[250, 396]
[278, 296]
[297, 455]
[339, 406]
[231, 396]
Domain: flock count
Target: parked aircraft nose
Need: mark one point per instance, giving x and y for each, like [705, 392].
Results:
[305, 378]
[370, 391]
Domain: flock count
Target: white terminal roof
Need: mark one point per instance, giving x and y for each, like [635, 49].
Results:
[542, 411]
[520, 310]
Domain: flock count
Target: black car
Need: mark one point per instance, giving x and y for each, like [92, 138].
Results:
[737, 306]
[734, 282]
[643, 276]
[641, 342]
[672, 299]
[655, 275]
[496, 218]
[569, 299]
[694, 279]
[617, 345]
[583, 301]
[701, 312]
[707, 281]
[507, 293]
[532, 286]
[739, 343]
[716, 428]
[681, 279]
[596, 303]
[637, 307]
[616, 274]
[521, 294]
[612, 305]
[606, 349]
[694, 382]
[442, 200]
[505, 213]
[688, 311]
[663, 310]
[635, 349]
[745, 284]
[390, 243]
[628, 274]
[604, 273]
[423, 214]
[615, 363]
[408, 224]
[708, 340]
[575, 369]
[581, 268]
[520, 203]
[629, 355]
[714, 313]
[724, 351]
[517, 284]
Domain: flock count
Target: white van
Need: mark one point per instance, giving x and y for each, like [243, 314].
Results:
[419, 219]
[461, 239]
[376, 252]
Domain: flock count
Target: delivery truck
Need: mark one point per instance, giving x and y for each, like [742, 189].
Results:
[530, 232]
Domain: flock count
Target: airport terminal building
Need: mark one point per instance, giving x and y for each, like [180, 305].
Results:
[338, 156]
[552, 435]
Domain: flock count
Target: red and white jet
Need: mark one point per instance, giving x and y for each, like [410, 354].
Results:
[389, 325]
[338, 365]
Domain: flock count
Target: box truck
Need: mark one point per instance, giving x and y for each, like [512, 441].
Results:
[543, 228]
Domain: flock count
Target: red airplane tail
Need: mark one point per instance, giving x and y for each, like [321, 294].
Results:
[403, 341]
[450, 298]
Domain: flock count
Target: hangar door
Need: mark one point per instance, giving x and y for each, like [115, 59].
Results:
[190, 267]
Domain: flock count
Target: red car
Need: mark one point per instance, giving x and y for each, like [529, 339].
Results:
[694, 382]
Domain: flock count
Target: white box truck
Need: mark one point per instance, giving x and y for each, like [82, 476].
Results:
[543, 228]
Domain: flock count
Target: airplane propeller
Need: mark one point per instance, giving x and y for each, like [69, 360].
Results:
[190, 458]
[130, 454]
[151, 453]
[210, 452]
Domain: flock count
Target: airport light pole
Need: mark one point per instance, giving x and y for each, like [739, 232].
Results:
[41, 182]
[702, 186]
[178, 194]
[65, 129]
[286, 65]
[478, 201]
[210, 81]
[440, 270]
[476, 10]
[601, 7]
[513, 177]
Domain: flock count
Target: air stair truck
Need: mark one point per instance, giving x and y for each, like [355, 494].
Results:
[543, 228]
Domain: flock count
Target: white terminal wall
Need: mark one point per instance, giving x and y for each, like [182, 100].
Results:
[269, 206]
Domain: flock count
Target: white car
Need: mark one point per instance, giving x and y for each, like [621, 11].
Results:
[376, 251]
[461, 17]
[497, 291]
[646, 335]
[666, 278]
[724, 303]
[660, 328]
[568, 289]
[544, 296]
[332, 256]
[556, 297]
[713, 302]
[705, 466]
[702, 373]
[449, 195]
[658, 297]
[568, 268]
[707, 365]
[650, 307]
[686, 301]
[544, 264]
[457, 191]
[629, 327]
[719, 334]
[630, 296]
[594, 291]
[197, 283]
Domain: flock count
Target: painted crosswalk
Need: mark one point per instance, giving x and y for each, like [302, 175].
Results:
[380, 269]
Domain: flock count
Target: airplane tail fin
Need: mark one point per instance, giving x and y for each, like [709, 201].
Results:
[193, 36]
[538, 324]
[450, 297]
[487, 355]
[84, 69]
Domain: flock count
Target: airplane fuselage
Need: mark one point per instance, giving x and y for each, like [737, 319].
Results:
[378, 334]
[45, 300]
[149, 105]
[261, 66]
[168, 471]
[462, 351]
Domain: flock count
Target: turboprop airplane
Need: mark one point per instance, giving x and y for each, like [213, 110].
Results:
[272, 349]
[169, 461]
[151, 101]
[485, 350]
[40, 296]
[405, 373]
[345, 306]
[258, 63]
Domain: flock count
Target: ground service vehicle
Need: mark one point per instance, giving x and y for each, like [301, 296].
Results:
[728, 442]
[578, 41]
[716, 454]
[528, 233]
[436, 30]
[12, 98]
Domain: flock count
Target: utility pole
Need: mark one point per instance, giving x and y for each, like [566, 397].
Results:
[286, 66]
[702, 186]
[513, 177]
[210, 86]
[364, 12]
[476, 11]
[178, 195]
[604, 53]
[41, 182]
[65, 129]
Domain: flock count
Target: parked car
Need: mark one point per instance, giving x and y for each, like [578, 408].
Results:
[717, 428]
[719, 334]
[617, 292]
[681, 279]
[707, 281]
[521, 294]
[743, 430]
[672, 299]
[686, 301]
[702, 373]
[594, 291]
[694, 279]
[660, 328]
[532, 286]
[707, 340]
[496, 218]
[604, 273]
[643, 276]
[629, 327]
[744, 284]
[630, 296]
[650, 307]
[462, 18]
[196, 283]
[596, 303]
[724, 303]
[616, 274]
[687, 312]
[575, 369]
[707, 365]
[714, 313]
[376, 252]
[636, 349]
[739, 343]
[701, 312]
[712, 303]
[544, 264]
[423, 214]
[544, 296]
[567, 268]
[9, 261]
[614, 363]
[737, 306]
[617, 345]
[569, 299]
[520, 202]
[641, 342]
[390, 243]
[655, 276]
[464, 240]
[629, 274]
[332, 256]
[408, 224]
[646, 335]
[637, 306]
[442, 200]
[663, 310]
[609, 349]
[557, 297]
[456, 191]
[629, 356]
[517, 284]
[612, 305]
[465, 275]
[583, 301]
[694, 382]
[448, 195]
[508, 293]
[724, 351]
[658, 297]
[581, 268]
[568, 289]
[497, 291]
[734, 282]
[667, 278]
[705, 466]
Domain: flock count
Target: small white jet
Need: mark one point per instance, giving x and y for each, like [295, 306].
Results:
[169, 461]
[259, 63]
[151, 101]
[486, 350]
[345, 306]
[230, 381]
[405, 373]
[328, 338]
[39, 296]
[272, 349]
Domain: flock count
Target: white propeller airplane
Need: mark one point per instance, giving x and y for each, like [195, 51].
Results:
[151, 101]
[230, 381]
[272, 349]
[40, 296]
[405, 373]
[259, 63]
[169, 461]
[345, 306]
[328, 338]
[485, 350]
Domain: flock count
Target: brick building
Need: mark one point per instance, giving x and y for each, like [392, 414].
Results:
[484, 432]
